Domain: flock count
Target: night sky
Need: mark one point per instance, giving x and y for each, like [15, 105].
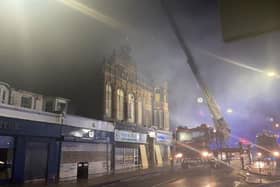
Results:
[53, 49]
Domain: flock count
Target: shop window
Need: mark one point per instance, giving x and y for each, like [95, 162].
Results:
[26, 102]
[126, 158]
[6, 157]
[120, 105]
[108, 100]
[131, 108]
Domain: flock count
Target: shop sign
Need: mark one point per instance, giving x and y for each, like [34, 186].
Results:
[86, 123]
[164, 138]
[88, 135]
[131, 137]
[27, 127]
[8, 125]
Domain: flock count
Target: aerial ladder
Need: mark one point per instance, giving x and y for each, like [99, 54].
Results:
[222, 129]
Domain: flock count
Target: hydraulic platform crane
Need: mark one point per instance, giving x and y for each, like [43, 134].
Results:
[222, 128]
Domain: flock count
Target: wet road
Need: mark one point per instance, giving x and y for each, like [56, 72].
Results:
[199, 177]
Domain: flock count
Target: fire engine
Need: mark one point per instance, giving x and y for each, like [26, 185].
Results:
[267, 144]
[192, 145]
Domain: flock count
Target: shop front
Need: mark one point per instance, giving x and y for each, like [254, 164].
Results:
[6, 158]
[162, 147]
[85, 152]
[29, 151]
[130, 150]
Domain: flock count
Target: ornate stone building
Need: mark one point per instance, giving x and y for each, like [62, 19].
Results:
[131, 98]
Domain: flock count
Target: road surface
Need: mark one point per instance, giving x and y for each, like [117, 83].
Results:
[199, 177]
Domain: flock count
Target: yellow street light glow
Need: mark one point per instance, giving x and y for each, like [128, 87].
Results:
[237, 63]
[271, 74]
[93, 13]
[276, 154]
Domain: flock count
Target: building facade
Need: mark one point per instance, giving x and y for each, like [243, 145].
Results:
[30, 100]
[131, 130]
[138, 107]
[130, 97]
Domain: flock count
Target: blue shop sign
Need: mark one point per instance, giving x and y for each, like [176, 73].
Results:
[12, 126]
[70, 133]
[130, 137]
[164, 138]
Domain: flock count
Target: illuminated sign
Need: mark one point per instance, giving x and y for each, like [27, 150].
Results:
[164, 138]
[91, 134]
[132, 137]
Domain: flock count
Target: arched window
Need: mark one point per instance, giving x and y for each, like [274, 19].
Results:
[139, 112]
[120, 105]
[130, 109]
[108, 100]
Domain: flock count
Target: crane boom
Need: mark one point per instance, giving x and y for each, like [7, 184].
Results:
[220, 124]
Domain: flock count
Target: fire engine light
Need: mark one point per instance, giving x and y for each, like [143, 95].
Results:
[179, 155]
[205, 154]
[276, 154]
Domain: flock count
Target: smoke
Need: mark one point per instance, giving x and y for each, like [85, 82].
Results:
[50, 48]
